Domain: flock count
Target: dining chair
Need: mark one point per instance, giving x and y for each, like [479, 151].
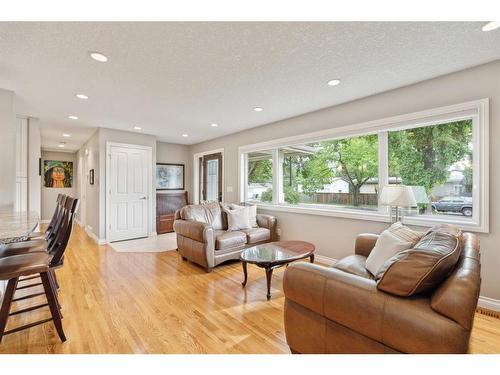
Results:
[35, 263]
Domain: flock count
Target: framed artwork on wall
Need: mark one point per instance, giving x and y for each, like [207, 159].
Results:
[169, 176]
[57, 174]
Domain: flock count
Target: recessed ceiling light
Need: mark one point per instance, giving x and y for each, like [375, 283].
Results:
[214, 125]
[137, 128]
[66, 135]
[73, 117]
[333, 82]
[184, 135]
[491, 26]
[81, 96]
[61, 144]
[97, 56]
[258, 109]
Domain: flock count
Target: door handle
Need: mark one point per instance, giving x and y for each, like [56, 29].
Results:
[143, 198]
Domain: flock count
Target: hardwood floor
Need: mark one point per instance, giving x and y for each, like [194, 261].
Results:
[156, 303]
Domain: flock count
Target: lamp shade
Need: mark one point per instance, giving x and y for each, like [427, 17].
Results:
[397, 195]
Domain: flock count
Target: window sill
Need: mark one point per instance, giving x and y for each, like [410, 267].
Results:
[423, 221]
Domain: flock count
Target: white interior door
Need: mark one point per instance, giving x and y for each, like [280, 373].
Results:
[128, 192]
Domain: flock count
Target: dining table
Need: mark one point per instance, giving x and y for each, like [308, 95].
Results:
[16, 225]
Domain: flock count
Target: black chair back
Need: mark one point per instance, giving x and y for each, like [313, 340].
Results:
[58, 248]
[55, 217]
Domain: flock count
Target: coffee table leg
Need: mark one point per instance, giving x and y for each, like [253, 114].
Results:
[244, 264]
[311, 258]
[269, 275]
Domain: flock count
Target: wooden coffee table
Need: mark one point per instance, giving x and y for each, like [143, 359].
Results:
[273, 255]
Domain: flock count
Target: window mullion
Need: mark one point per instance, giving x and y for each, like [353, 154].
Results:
[278, 196]
[383, 163]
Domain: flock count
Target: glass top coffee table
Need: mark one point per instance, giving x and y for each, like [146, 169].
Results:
[273, 255]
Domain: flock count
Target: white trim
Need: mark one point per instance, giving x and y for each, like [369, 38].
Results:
[324, 260]
[489, 303]
[196, 173]
[151, 217]
[477, 109]
[99, 241]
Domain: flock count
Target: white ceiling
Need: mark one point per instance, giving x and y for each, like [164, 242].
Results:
[176, 77]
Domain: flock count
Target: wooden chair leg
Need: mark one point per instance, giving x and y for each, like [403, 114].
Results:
[52, 300]
[6, 303]
[54, 287]
[53, 273]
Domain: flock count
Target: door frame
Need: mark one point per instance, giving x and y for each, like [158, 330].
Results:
[107, 190]
[196, 173]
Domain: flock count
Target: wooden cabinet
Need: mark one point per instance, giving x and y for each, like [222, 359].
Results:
[166, 205]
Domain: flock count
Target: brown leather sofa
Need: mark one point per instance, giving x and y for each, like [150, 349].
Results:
[203, 236]
[332, 310]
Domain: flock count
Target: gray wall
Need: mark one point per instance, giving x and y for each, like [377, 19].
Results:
[49, 195]
[7, 149]
[177, 154]
[334, 237]
[91, 153]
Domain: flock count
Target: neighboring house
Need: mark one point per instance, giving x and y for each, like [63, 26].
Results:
[455, 186]
[255, 190]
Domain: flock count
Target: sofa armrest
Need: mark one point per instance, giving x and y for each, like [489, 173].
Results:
[310, 284]
[195, 230]
[355, 303]
[269, 222]
[365, 242]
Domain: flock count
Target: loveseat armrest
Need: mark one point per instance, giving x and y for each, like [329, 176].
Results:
[365, 242]
[269, 222]
[195, 230]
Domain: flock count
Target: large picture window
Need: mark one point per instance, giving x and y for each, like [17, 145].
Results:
[441, 154]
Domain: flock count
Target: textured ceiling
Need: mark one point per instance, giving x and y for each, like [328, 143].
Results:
[176, 77]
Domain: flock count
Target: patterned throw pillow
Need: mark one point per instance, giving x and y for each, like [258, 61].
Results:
[404, 233]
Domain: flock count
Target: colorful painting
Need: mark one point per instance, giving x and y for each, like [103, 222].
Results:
[58, 174]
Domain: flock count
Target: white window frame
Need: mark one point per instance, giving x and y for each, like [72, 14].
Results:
[478, 110]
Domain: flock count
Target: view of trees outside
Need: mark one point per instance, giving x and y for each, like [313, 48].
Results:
[260, 176]
[435, 160]
[438, 159]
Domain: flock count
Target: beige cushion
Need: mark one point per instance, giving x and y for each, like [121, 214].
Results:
[252, 213]
[423, 267]
[224, 240]
[405, 233]
[387, 245]
[257, 234]
[354, 264]
[237, 219]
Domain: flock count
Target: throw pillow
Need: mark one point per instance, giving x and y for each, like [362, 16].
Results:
[238, 219]
[388, 244]
[423, 267]
[252, 213]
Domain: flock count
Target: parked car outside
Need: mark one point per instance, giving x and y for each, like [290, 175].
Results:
[454, 204]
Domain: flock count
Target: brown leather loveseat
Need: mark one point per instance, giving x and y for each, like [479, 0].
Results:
[343, 309]
[203, 236]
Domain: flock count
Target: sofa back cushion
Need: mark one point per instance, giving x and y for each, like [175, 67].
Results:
[423, 267]
[209, 213]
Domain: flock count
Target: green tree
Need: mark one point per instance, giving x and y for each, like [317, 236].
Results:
[260, 171]
[423, 156]
[354, 159]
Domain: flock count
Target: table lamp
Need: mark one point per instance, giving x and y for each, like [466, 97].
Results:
[397, 196]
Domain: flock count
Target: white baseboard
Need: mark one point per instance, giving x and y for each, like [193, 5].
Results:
[323, 260]
[489, 303]
[100, 241]
[484, 302]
